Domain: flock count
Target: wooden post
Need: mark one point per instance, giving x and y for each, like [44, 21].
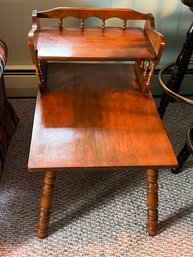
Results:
[45, 203]
[152, 201]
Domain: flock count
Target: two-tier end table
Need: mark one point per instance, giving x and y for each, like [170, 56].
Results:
[97, 113]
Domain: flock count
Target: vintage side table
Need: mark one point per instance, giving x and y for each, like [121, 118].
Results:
[97, 115]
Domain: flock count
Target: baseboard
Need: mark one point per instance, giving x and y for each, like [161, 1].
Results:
[21, 81]
[21, 86]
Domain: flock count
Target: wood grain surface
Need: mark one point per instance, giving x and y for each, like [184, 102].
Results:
[94, 44]
[113, 125]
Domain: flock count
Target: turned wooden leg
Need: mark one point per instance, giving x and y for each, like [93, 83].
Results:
[152, 201]
[45, 203]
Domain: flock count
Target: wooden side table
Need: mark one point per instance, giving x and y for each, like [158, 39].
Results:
[97, 116]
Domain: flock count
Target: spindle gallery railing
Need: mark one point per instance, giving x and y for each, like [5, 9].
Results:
[88, 43]
[84, 13]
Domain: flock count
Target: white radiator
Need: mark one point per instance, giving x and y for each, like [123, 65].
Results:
[20, 81]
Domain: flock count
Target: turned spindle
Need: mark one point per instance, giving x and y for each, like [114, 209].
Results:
[82, 23]
[103, 24]
[124, 25]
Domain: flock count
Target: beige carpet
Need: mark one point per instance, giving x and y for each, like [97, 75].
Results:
[95, 213]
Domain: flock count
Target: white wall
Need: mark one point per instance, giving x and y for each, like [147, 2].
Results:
[172, 20]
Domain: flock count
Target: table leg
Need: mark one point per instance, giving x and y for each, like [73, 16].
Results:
[152, 201]
[45, 203]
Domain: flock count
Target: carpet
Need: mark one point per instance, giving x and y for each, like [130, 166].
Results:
[95, 213]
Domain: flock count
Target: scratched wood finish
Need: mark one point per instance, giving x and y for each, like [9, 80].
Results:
[101, 128]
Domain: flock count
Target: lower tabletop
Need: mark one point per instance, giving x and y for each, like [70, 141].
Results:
[95, 116]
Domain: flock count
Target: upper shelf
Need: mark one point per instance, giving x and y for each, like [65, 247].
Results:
[89, 43]
[92, 43]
